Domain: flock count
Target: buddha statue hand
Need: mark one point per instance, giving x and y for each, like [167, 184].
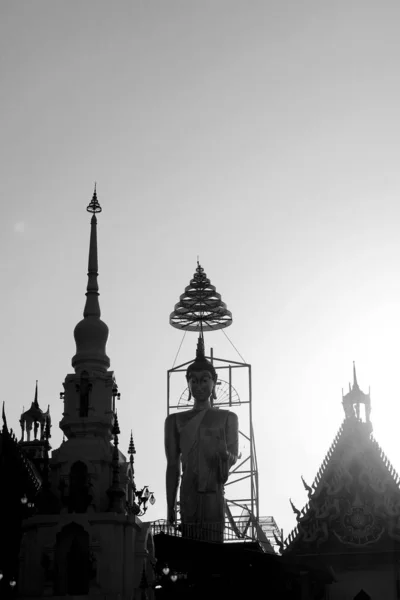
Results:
[171, 516]
[222, 448]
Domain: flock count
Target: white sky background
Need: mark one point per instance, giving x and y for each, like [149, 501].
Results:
[263, 136]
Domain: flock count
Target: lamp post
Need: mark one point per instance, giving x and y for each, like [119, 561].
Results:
[143, 497]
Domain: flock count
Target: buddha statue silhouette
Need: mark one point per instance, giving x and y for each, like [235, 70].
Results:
[204, 440]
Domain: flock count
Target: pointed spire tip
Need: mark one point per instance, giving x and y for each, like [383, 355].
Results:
[94, 206]
[355, 382]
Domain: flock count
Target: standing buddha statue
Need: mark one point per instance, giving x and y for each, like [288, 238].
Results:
[202, 443]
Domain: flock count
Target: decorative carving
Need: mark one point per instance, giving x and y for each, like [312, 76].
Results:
[355, 497]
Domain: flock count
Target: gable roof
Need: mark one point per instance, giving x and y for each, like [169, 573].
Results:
[354, 501]
[17, 471]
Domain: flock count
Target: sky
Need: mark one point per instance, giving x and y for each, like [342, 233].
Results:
[261, 136]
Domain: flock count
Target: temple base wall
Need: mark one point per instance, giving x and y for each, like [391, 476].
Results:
[103, 554]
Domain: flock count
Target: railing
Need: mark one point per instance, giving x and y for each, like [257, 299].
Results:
[212, 532]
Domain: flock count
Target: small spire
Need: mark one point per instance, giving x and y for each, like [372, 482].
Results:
[116, 430]
[35, 401]
[355, 383]
[47, 434]
[131, 449]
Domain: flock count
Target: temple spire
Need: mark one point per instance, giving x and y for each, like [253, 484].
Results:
[91, 333]
[92, 306]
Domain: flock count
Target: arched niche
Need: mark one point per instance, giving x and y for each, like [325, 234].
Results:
[84, 389]
[79, 497]
[72, 571]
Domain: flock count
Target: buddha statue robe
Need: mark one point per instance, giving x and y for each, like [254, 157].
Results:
[199, 438]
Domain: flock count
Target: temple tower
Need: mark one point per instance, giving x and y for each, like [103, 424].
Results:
[85, 538]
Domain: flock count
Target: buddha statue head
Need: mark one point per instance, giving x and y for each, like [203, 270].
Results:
[201, 375]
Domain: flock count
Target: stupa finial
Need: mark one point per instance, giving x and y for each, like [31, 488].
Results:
[94, 206]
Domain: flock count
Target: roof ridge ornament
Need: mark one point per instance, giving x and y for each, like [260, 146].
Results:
[352, 401]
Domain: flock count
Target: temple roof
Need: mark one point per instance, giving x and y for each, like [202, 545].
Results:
[25, 476]
[354, 501]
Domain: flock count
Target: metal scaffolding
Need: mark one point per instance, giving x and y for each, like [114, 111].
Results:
[234, 393]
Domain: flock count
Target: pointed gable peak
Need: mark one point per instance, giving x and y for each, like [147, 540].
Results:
[356, 481]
